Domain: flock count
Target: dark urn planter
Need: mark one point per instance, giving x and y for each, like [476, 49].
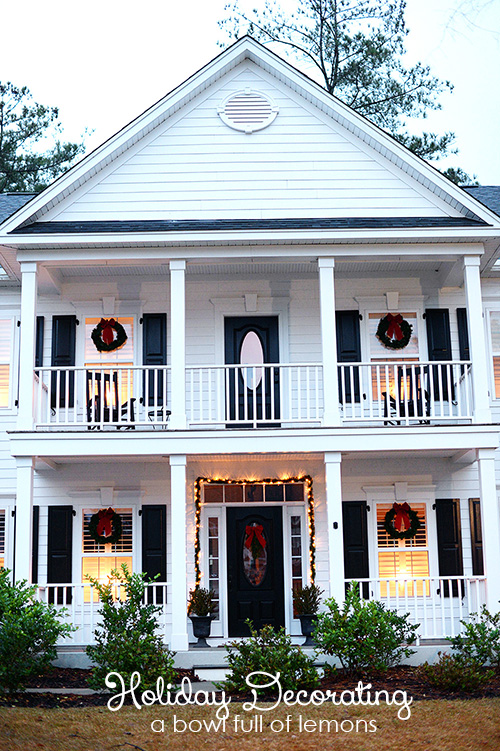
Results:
[308, 624]
[201, 629]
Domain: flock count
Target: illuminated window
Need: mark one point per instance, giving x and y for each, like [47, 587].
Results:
[296, 553]
[99, 560]
[391, 379]
[122, 376]
[403, 560]
[2, 538]
[6, 326]
[214, 561]
[254, 492]
[495, 349]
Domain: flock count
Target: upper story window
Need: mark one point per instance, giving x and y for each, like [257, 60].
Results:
[495, 349]
[6, 359]
[122, 356]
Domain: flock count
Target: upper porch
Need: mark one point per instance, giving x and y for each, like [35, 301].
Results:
[248, 345]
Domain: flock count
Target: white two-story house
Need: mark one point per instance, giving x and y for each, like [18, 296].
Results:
[255, 343]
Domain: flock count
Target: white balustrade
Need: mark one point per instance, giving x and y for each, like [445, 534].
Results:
[437, 604]
[254, 395]
[404, 393]
[79, 605]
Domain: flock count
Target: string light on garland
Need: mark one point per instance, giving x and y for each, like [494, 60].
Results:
[305, 480]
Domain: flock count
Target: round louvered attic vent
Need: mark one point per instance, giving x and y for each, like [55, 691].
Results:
[248, 111]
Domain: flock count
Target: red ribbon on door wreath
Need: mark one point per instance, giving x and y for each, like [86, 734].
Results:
[254, 531]
[402, 522]
[394, 330]
[105, 523]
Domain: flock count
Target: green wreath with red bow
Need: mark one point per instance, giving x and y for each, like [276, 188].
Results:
[105, 526]
[394, 332]
[255, 541]
[104, 333]
[401, 522]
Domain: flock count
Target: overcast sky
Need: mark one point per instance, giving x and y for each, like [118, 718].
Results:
[104, 62]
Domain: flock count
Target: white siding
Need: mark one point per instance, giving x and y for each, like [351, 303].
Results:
[195, 167]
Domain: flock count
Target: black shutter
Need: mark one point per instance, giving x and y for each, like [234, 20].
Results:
[59, 555]
[154, 352]
[63, 356]
[463, 334]
[355, 525]
[34, 550]
[449, 542]
[40, 325]
[348, 350]
[476, 536]
[154, 546]
[439, 346]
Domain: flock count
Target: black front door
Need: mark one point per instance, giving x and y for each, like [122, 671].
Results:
[253, 392]
[254, 568]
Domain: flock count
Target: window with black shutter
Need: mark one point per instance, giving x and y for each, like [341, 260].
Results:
[348, 350]
[63, 356]
[59, 552]
[355, 526]
[154, 547]
[449, 544]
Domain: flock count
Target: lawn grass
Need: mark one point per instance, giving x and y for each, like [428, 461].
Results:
[433, 726]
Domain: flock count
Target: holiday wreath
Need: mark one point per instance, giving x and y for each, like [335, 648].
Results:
[105, 526]
[104, 338]
[401, 522]
[394, 331]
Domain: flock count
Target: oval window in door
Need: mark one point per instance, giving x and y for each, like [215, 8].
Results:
[255, 554]
[251, 353]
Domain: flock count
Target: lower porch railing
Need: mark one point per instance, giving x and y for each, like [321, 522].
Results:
[438, 604]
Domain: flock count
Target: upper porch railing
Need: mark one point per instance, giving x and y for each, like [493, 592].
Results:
[253, 396]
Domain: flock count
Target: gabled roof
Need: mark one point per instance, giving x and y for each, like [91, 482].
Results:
[11, 202]
[489, 195]
[29, 219]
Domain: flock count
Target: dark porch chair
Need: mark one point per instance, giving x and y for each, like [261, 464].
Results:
[99, 388]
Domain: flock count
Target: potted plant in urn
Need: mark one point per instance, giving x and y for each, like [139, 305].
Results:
[306, 601]
[200, 611]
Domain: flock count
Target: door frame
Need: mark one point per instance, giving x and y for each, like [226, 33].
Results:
[220, 627]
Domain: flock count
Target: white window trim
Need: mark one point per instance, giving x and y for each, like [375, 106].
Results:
[414, 494]
[414, 304]
[8, 504]
[11, 409]
[488, 310]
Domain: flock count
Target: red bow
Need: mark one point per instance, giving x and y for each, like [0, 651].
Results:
[394, 329]
[256, 530]
[105, 525]
[107, 329]
[401, 521]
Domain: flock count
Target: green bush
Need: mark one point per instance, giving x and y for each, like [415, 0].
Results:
[125, 641]
[365, 636]
[29, 631]
[271, 651]
[480, 640]
[455, 672]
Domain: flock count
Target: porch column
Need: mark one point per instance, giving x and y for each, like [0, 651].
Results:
[24, 519]
[178, 572]
[27, 344]
[331, 413]
[335, 535]
[490, 522]
[178, 344]
[477, 341]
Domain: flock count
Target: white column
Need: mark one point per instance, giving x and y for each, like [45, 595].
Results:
[178, 344]
[490, 522]
[27, 344]
[331, 414]
[178, 573]
[24, 519]
[477, 340]
[335, 535]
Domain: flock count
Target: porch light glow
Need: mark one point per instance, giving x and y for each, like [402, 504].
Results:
[303, 480]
